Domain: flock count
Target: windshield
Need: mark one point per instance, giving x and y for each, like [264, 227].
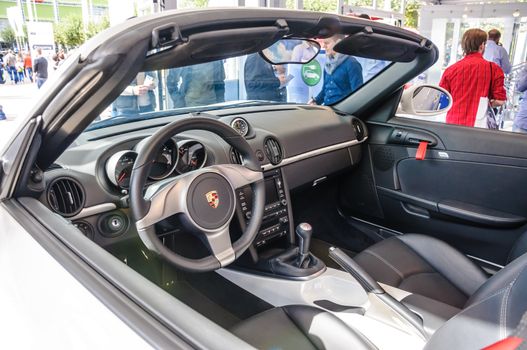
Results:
[241, 81]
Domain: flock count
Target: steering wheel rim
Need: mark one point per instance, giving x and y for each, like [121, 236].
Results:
[184, 193]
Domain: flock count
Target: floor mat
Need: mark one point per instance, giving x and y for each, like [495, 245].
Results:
[208, 293]
[320, 249]
[318, 207]
[186, 293]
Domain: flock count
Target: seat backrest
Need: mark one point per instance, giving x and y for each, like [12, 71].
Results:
[490, 314]
[519, 248]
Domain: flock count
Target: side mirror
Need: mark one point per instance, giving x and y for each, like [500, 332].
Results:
[286, 51]
[425, 100]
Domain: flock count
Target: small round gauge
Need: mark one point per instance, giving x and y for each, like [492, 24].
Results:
[240, 125]
[165, 162]
[119, 168]
[192, 156]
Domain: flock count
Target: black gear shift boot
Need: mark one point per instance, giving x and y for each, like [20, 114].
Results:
[286, 264]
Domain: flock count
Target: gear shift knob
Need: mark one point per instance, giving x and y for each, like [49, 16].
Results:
[304, 232]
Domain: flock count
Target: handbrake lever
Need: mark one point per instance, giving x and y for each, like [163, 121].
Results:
[370, 285]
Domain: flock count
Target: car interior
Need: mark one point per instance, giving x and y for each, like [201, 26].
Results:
[289, 226]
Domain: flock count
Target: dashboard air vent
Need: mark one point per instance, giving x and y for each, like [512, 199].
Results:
[236, 157]
[359, 129]
[66, 196]
[273, 151]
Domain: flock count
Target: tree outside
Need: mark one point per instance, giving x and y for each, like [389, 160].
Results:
[8, 36]
[411, 13]
[321, 5]
[193, 4]
[69, 32]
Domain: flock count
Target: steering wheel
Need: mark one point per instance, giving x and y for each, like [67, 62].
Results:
[205, 198]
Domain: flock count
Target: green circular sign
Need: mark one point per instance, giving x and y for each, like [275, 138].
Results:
[311, 73]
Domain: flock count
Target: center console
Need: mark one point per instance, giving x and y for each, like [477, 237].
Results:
[275, 223]
[274, 251]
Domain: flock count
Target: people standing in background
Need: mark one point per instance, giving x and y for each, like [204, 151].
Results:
[520, 121]
[371, 67]
[342, 75]
[261, 81]
[197, 85]
[40, 69]
[494, 52]
[28, 66]
[10, 63]
[2, 80]
[471, 79]
[297, 90]
[20, 68]
[138, 97]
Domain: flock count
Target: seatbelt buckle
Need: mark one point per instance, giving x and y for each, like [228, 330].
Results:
[421, 150]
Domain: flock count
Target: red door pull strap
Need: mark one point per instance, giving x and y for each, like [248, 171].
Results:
[421, 150]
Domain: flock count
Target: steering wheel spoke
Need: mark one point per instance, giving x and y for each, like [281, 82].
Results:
[219, 244]
[238, 175]
[165, 198]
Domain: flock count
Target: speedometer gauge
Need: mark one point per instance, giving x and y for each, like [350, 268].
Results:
[165, 162]
[119, 168]
[192, 156]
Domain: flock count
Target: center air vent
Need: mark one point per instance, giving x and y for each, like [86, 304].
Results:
[66, 196]
[273, 151]
[236, 157]
[359, 129]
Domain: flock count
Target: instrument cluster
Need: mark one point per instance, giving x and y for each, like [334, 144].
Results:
[173, 158]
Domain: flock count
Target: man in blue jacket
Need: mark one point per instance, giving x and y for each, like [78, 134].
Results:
[342, 75]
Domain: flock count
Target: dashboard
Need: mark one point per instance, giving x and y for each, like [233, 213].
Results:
[296, 146]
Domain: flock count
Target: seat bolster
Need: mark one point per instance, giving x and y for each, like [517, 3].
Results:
[490, 315]
[450, 263]
[325, 330]
[272, 329]
[299, 327]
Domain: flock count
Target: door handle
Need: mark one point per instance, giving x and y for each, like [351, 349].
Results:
[411, 137]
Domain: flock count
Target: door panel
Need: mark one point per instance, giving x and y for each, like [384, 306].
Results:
[469, 190]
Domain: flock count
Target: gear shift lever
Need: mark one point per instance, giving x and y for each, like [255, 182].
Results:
[304, 232]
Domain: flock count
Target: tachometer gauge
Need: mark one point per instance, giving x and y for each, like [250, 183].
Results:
[119, 168]
[240, 125]
[165, 162]
[192, 156]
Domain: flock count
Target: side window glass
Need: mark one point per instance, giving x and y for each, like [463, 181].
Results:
[493, 94]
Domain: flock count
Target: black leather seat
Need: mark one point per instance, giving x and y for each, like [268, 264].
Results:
[423, 265]
[490, 314]
[299, 327]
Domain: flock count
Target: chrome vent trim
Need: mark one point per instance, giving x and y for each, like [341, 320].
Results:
[273, 150]
[66, 196]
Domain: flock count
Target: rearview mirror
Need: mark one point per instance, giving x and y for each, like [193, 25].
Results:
[425, 100]
[296, 51]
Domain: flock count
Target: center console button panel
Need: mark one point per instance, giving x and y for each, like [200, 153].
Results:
[275, 222]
